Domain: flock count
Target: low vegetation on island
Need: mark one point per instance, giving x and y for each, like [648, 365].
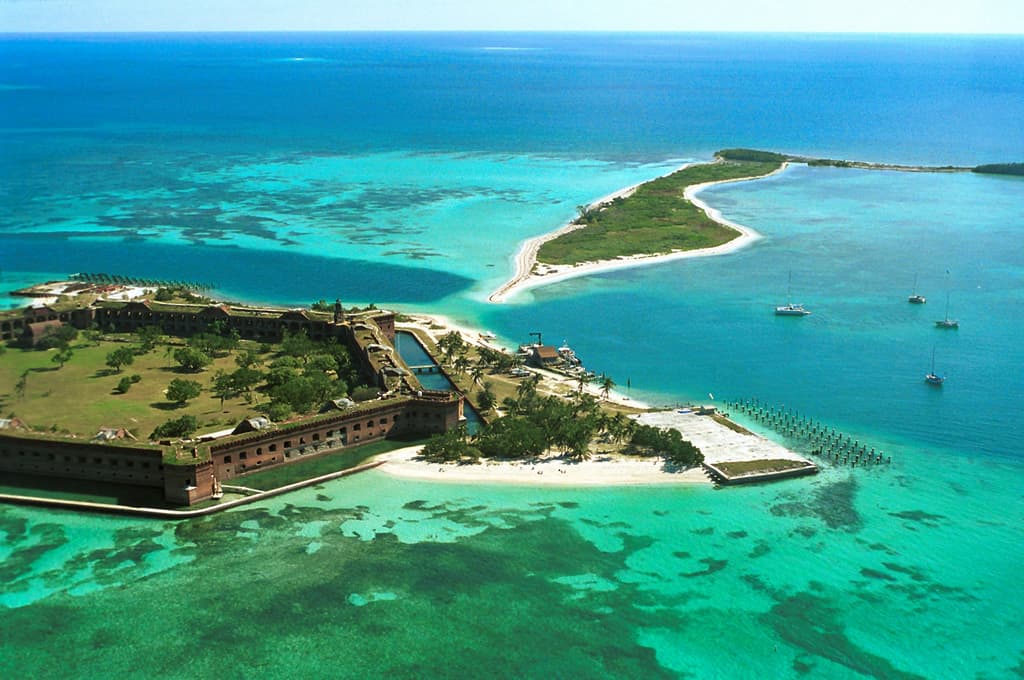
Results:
[1001, 169]
[656, 219]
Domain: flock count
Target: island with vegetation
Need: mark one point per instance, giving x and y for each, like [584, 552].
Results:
[656, 218]
[663, 219]
[1016, 169]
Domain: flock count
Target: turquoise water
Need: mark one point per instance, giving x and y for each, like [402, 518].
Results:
[404, 170]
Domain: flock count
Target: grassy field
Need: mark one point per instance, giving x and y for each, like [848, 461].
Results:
[655, 219]
[315, 466]
[81, 397]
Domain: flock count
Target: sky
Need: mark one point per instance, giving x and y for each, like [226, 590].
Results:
[860, 16]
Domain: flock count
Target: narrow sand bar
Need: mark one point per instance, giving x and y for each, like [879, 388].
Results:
[532, 274]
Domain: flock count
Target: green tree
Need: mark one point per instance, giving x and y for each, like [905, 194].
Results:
[178, 427]
[244, 380]
[277, 411]
[511, 437]
[60, 337]
[247, 359]
[451, 344]
[148, 337]
[297, 345]
[486, 396]
[180, 391]
[192, 359]
[62, 356]
[124, 384]
[607, 385]
[224, 386]
[120, 357]
[300, 393]
[320, 363]
[449, 447]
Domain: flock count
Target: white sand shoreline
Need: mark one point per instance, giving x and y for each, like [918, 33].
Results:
[529, 274]
[551, 471]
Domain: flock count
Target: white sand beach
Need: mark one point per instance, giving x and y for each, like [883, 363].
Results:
[531, 274]
[598, 471]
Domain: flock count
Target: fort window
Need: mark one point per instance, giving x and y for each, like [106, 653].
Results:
[356, 428]
[259, 450]
[273, 447]
[242, 456]
[316, 436]
[302, 440]
[97, 461]
[129, 463]
[227, 459]
[81, 459]
[113, 462]
[383, 421]
[369, 423]
[287, 445]
[145, 466]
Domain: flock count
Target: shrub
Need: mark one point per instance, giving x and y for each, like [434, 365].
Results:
[179, 427]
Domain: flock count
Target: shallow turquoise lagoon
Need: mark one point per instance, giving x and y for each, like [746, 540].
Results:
[404, 171]
[875, 573]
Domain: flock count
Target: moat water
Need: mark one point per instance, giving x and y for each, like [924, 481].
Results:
[404, 170]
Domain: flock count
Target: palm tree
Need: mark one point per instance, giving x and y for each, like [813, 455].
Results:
[606, 386]
[478, 372]
[581, 381]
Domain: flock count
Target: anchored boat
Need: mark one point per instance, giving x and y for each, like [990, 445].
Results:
[914, 298]
[932, 378]
[791, 309]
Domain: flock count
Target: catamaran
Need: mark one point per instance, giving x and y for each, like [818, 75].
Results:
[790, 309]
[914, 298]
[933, 378]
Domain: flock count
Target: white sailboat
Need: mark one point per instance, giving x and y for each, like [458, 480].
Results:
[914, 298]
[932, 378]
[790, 309]
[946, 322]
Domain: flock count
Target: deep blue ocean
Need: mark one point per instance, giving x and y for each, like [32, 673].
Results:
[405, 169]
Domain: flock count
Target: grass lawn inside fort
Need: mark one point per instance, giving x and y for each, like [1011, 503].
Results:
[81, 397]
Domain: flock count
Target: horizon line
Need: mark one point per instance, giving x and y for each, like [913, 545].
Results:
[523, 31]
